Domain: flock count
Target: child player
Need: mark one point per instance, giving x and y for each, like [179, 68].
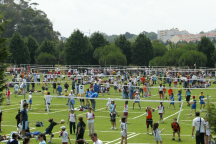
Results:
[172, 101]
[179, 98]
[48, 101]
[64, 135]
[157, 133]
[73, 120]
[123, 130]
[170, 91]
[30, 100]
[161, 111]
[176, 128]
[8, 96]
[119, 88]
[49, 129]
[18, 121]
[193, 106]
[201, 98]
[149, 120]
[137, 98]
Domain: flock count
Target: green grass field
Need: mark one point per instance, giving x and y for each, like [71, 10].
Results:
[137, 119]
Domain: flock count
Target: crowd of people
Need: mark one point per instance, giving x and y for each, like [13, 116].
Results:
[129, 85]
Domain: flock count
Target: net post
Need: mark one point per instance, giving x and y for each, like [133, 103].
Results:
[207, 104]
[47, 107]
[180, 111]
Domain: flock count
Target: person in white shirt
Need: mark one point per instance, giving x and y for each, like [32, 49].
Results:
[73, 120]
[16, 89]
[30, 100]
[38, 78]
[157, 133]
[115, 86]
[48, 101]
[119, 88]
[90, 120]
[107, 87]
[95, 139]
[71, 100]
[137, 98]
[64, 135]
[161, 111]
[200, 125]
[123, 130]
[208, 132]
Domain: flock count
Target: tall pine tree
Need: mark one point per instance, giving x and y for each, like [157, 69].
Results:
[142, 51]
[32, 45]
[78, 49]
[19, 50]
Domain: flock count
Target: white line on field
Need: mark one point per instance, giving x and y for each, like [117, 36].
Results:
[118, 139]
[172, 114]
[130, 137]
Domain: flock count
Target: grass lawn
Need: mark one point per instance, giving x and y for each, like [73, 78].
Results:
[137, 118]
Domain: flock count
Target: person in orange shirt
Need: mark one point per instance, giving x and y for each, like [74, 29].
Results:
[149, 119]
[143, 79]
[145, 90]
[164, 90]
[170, 91]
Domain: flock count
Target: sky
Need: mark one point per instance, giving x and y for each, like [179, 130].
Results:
[134, 16]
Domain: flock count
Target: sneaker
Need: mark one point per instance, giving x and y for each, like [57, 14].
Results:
[158, 121]
[163, 121]
[50, 141]
[112, 128]
[203, 109]
[118, 115]
[190, 114]
[147, 133]
[179, 139]
[168, 107]
[119, 120]
[200, 110]
[132, 108]
[115, 128]
[173, 139]
[36, 138]
[45, 109]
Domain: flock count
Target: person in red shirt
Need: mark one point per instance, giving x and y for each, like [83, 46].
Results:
[142, 79]
[170, 91]
[8, 96]
[149, 119]
[176, 128]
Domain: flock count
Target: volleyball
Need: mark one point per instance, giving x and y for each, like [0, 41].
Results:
[191, 102]
[62, 121]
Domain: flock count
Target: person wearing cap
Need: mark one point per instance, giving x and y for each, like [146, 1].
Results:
[201, 98]
[137, 98]
[18, 121]
[64, 135]
[193, 106]
[30, 100]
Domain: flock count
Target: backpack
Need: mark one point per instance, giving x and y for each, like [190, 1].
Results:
[39, 124]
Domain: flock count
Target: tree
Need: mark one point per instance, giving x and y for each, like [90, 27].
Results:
[4, 54]
[151, 35]
[128, 35]
[211, 118]
[207, 47]
[142, 51]
[159, 49]
[125, 46]
[59, 52]
[20, 52]
[111, 54]
[78, 49]
[47, 46]
[27, 21]
[172, 57]
[188, 47]
[45, 58]
[189, 58]
[97, 40]
[32, 46]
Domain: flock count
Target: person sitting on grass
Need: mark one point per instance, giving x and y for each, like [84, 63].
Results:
[176, 128]
[49, 129]
[14, 139]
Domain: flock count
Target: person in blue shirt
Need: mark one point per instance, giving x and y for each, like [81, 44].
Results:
[172, 101]
[96, 87]
[201, 98]
[179, 98]
[94, 95]
[193, 106]
[59, 89]
[24, 118]
[14, 139]
[28, 84]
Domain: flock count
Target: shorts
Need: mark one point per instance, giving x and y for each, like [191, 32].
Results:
[179, 99]
[160, 92]
[202, 102]
[43, 88]
[24, 125]
[38, 80]
[188, 98]
[123, 133]
[176, 130]
[48, 103]
[149, 122]
[193, 107]
[30, 101]
[81, 100]
[175, 82]
[125, 114]
[145, 94]
[172, 103]
[113, 117]
[158, 138]
[115, 87]
[161, 115]
[16, 92]
[64, 142]
[137, 101]
[122, 80]
[108, 89]
[119, 90]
